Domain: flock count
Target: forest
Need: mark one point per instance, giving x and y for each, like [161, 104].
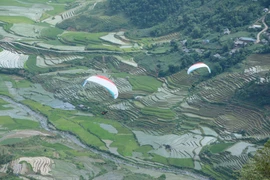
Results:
[198, 17]
[194, 18]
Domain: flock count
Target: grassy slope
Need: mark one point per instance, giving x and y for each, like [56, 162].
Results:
[16, 19]
[87, 128]
[12, 123]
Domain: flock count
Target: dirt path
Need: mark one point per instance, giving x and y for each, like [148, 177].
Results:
[265, 28]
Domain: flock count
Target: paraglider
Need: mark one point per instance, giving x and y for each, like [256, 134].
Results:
[197, 66]
[105, 82]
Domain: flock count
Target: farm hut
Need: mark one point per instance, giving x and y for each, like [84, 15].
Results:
[247, 39]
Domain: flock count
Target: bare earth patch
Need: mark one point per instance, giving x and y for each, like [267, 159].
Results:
[111, 149]
[24, 134]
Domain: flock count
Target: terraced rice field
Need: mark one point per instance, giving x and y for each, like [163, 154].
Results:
[38, 164]
[174, 146]
[12, 60]
[177, 117]
[49, 61]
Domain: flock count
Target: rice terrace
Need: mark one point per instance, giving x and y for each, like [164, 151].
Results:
[165, 123]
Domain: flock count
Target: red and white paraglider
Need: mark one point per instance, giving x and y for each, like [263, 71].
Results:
[197, 66]
[105, 82]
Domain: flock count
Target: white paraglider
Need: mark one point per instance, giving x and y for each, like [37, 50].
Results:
[105, 82]
[197, 66]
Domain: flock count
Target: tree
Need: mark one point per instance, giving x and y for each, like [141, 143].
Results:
[162, 177]
[196, 32]
[258, 167]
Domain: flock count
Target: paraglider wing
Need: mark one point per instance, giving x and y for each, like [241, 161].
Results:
[197, 66]
[105, 82]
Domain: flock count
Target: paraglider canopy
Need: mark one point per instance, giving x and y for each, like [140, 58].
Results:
[197, 66]
[105, 82]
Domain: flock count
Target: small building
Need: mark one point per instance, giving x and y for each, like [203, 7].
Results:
[247, 39]
[186, 50]
[183, 42]
[199, 51]
[226, 31]
[255, 26]
[81, 106]
[265, 10]
[218, 56]
[234, 50]
[239, 43]
[205, 41]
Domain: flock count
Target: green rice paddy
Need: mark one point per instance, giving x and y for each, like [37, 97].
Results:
[16, 19]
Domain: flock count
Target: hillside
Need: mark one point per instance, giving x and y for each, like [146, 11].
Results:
[165, 123]
[195, 19]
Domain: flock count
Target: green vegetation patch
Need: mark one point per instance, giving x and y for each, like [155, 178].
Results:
[144, 83]
[160, 50]
[2, 102]
[13, 3]
[3, 87]
[22, 83]
[83, 38]
[86, 136]
[217, 148]
[31, 66]
[103, 47]
[207, 169]
[60, 119]
[92, 124]
[16, 19]
[12, 123]
[137, 176]
[235, 35]
[158, 112]
[125, 143]
[46, 1]
[160, 159]
[144, 150]
[183, 162]
[56, 146]
[88, 128]
[186, 162]
[50, 33]
[11, 141]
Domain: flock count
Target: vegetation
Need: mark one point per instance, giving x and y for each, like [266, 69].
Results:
[50, 33]
[16, 19]
[195, 18]
[255, 92]
[171, 36]
[145, 13]
[258, 167]
[162, 113]
[188, 162]
[217, 148]
[31, 66]
[144, 83]
[12, 123]
[87, 129]
[90, 23]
